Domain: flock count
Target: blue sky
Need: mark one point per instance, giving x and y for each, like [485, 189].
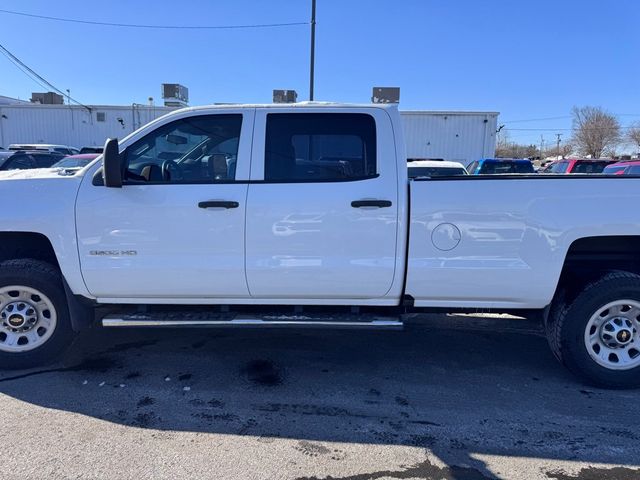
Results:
[525, 59]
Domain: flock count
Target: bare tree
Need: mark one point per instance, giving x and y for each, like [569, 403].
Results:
[566, 149]
[595, 131]
[633, 135]
[505, 148]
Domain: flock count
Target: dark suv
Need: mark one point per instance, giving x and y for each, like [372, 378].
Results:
[26, 160]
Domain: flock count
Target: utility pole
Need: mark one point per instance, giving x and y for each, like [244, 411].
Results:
[558, 145]
[541, 147]
[313, 48]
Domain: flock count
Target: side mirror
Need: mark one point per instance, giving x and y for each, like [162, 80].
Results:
[112, 164]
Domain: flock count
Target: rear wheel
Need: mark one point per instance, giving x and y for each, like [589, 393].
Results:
[34, 319]
[597, 335]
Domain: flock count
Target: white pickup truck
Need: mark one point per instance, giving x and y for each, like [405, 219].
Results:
[302, 215]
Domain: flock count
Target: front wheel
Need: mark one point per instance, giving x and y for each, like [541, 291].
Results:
[34, 320]
[597, 336]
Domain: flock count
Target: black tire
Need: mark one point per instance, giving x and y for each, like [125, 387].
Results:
[565, 329]
[46, 279]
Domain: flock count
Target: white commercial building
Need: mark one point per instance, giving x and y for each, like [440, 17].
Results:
[458, 136]
[72, 125]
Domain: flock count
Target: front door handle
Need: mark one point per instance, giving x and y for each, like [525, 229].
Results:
[218, 204]
[371, 203]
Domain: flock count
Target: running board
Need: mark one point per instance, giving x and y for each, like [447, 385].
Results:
[188, 319]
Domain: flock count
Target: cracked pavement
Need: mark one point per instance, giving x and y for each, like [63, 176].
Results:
[464, 397]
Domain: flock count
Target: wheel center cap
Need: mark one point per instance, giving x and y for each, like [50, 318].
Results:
[623, 336]
[16, 320]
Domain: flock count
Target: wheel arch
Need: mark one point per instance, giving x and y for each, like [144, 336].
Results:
[590, 258]
[37, 246]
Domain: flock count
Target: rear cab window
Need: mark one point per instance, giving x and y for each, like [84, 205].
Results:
[504, 167]
[435, 171]
[589, 167]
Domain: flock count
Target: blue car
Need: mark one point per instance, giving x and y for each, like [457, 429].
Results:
[493, 166]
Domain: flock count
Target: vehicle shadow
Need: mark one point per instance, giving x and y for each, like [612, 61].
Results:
[456, 393]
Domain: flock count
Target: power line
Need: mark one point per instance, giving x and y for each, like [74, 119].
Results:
[537, 119]
[563, 129]
[172, 27]
[36, 76]
[564, 117]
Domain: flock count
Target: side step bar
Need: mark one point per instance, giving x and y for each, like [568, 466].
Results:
[185, 319]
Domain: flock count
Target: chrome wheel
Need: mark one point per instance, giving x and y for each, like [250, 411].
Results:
[612, 335]
[27, 318]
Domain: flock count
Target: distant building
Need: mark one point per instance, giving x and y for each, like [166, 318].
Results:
[73, 125]
[457, 136]
[10, 100]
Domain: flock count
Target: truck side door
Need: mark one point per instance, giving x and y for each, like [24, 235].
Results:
[322, 208]
[176, 227]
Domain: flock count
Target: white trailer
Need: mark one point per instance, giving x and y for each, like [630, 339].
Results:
[457, 136]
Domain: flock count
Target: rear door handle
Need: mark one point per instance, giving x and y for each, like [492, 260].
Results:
[218, 204]
[371, 203]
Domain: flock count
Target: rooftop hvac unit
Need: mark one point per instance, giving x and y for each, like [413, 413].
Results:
[385, 95]
[175, 95]
[285, 96]
[47, 98]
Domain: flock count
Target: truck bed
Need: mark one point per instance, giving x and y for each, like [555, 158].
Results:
[501, 242]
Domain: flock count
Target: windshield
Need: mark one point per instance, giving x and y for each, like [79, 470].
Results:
[72, 163]
[614, 169]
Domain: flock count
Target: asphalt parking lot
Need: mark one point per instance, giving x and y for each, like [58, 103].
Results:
[451, 398]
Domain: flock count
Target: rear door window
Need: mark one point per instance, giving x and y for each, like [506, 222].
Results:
[308, 147]
[589, 167]
[522, 167]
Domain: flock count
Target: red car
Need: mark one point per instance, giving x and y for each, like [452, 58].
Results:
[623, 168]
[578, 165]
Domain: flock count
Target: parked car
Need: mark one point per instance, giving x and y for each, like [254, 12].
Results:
[623, 168]
[434, 168]
[27, 160]
[316, 225]
[578, 165]
[91, 149]
[493, 166]
[62, 149]
[76, 161]
[4, 155]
